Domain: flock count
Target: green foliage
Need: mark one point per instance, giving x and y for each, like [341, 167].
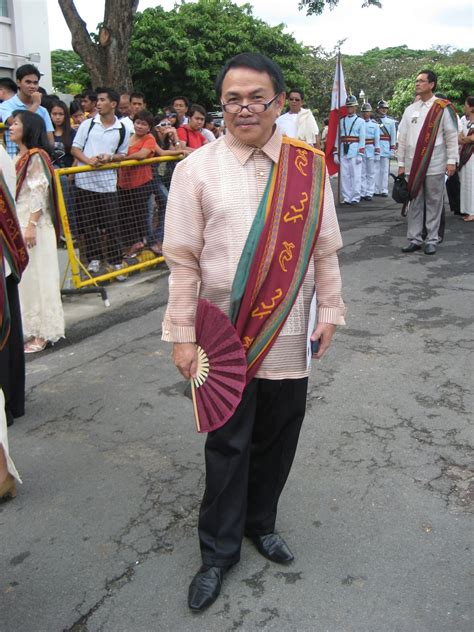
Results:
[181, 51]
[67, 69]
[377, 72]
[455, 82]
[316, 7]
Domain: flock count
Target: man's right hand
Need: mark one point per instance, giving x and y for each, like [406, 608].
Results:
[36, 99]
[185, 358]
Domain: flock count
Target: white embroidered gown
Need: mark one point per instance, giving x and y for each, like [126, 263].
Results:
[40, 298]
[466, 176]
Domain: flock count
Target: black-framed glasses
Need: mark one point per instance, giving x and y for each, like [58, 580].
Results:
[254, 108]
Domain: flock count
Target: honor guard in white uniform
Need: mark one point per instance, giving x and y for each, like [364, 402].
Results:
[388, 144]
[352, 149]
[372, 153]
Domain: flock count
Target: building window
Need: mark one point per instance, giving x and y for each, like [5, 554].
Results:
[3, 8]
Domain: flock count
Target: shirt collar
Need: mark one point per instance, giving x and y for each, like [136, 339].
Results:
[243, 152]
[117, 124]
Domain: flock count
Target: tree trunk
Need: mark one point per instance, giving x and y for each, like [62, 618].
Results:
[106, 60]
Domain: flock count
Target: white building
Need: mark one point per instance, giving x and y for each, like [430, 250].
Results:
[24, 38]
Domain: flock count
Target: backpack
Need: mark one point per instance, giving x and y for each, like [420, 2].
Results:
[122, 132]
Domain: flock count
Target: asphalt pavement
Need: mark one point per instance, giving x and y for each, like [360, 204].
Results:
[378, 507]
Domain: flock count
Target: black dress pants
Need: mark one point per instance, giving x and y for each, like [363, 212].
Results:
[247, 464]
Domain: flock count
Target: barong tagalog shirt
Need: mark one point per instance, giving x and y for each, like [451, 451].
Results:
[445, 151]
[213, 199]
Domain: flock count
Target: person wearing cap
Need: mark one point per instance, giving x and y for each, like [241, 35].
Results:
[388, 144]
[371, 155]
[352, 148]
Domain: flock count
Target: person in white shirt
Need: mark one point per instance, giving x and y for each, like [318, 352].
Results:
[299, 122]
[98, 141]
[430, 163]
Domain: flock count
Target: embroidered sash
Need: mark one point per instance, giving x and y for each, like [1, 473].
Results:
[13, 249]
[466, 151]
[21, 172]
[278, 250]
[425, 144]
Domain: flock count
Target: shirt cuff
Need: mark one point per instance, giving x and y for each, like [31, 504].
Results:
[332, 315]
[177, 333]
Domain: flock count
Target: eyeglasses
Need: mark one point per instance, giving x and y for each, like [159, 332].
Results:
[254, 108]
[294, 99]
[422, 81]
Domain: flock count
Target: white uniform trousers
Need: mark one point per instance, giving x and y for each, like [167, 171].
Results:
[381, 176]
[368, 177]
[351, 171]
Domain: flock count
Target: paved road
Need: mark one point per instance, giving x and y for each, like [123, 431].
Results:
[378, 509]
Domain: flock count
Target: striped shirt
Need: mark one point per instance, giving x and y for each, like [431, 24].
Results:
[213, 199]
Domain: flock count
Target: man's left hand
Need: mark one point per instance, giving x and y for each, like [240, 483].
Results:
[324, 333]
[450, 170]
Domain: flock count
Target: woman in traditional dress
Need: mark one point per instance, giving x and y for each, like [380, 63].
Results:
[40, 295]
[13, 260]
[466, 161]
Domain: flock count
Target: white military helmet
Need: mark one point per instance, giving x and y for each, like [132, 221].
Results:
[366, 107]
[351, 100]
[382, 104]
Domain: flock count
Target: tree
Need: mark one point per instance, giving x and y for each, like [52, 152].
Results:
[104, 56]
[68, 70]
[181, 51]
[316, 7]
[455, 82]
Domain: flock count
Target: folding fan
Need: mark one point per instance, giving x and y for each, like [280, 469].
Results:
[220, 380]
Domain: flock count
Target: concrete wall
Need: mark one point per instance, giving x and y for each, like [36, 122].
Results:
[26, 31]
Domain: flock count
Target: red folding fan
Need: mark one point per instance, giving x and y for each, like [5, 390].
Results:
[220, 380]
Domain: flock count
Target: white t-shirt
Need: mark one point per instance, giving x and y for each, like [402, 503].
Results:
[100, 140]
[286, 123]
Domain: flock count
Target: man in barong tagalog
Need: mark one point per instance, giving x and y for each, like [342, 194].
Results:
[427, 152]
[251, 185]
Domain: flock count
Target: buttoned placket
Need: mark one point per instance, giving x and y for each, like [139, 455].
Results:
[262, 170]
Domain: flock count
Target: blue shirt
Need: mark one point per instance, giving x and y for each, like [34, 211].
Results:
[15, 103]
[372, 133]
[388, 126]
[353, 126]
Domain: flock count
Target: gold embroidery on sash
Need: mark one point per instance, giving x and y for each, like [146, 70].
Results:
[301, 161]
[296, 213]
[264, 309]
[286, 255]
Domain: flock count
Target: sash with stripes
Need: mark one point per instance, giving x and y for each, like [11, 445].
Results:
[278, 250]
[21, 172]
[425, 144]
[13, 249]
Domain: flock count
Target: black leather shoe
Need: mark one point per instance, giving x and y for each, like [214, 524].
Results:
[430, 249]
[273, 547]
[205, 587]
[411, 248]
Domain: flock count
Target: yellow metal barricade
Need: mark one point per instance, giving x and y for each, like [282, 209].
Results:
[111, 218]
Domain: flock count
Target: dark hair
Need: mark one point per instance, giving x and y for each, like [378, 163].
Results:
[27, 69]
[90, 94]
[196, 108]
[298, 91]
[164, 143]
[144, 115]
[254, 61]
[34, 130]
[48, 101]
[326, 121]
[66, 126]
[112, 94]
[169, 110]
[470, 101]
[185, 99]
[8, 84]
[209, 119]
[137, 95]
[432, 77]
[75, 106]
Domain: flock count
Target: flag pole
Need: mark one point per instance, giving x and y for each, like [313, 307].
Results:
[339, 124]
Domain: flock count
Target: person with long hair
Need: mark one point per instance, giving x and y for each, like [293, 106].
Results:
[40, 296]
[63, 136]
[466, 161]
[76, 113]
